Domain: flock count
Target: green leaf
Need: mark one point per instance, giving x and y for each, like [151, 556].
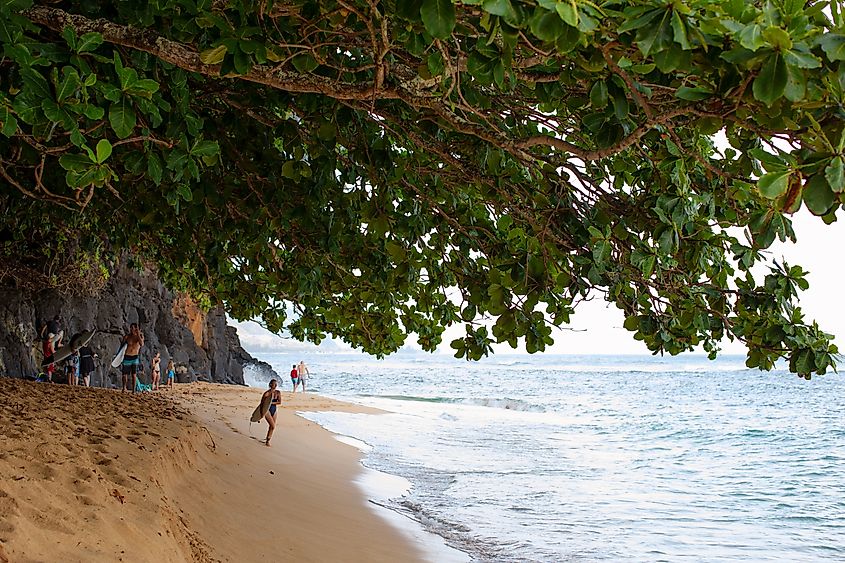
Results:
[598, 95]
[74, 162]
[568, 40]
[104, 149]
[89, 42]
[502, 8]
[834, 172]
[796, 84]
[771, 82]
[205, 148]
[778, 38]
[185, 192]
[36, 84]
[833, 45]
[774, 184]
[817, 195]
[69, 85]
[10, 124]
[305, 63]
[214, 56]
[93, 112]
[154, 167]
[438, 16]
[693, 94]
[69, 35]
[632, 323]
[641, 21]
[801, 60]
[568, 12]
[546, 25]
[679, 29]
[752, 37]
[242, 62]
[289, 170]
[145, 85]
[122, 118]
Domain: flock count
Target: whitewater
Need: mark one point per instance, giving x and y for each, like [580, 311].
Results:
[600, 458]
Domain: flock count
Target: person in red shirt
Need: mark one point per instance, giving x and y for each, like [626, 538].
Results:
[294, 376]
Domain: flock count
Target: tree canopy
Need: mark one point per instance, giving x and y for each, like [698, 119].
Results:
[395, 167]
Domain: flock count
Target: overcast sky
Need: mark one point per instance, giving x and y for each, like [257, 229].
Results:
[819, 250]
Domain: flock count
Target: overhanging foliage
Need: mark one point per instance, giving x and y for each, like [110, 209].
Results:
[397, 167]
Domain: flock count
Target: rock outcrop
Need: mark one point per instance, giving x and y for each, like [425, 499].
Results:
[200, 343]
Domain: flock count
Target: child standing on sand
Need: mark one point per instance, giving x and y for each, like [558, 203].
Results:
[294, 376]
[72, 368]
[170, 375]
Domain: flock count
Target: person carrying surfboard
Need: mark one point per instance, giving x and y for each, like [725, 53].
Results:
[129, 368]
[275, 398]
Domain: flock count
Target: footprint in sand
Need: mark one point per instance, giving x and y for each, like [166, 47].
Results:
[80, 487]
[43, 471]
[6, 530]
[8, 504]
[86, 501]
[52, 521]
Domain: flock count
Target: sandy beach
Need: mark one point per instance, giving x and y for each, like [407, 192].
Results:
[100, 475]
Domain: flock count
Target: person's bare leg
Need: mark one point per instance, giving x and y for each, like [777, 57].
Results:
[132, 378]
[271, 420]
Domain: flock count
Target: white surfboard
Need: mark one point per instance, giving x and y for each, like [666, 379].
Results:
[118, 358]
[64, 352]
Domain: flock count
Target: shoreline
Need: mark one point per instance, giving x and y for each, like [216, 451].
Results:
[92, 474]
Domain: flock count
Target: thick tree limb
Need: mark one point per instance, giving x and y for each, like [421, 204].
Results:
[187, 58]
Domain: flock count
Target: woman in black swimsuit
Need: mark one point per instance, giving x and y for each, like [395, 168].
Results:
[275, 400]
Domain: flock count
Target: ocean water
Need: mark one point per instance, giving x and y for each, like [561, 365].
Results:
[600, 458]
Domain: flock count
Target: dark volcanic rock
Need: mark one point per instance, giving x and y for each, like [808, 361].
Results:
[201, 344]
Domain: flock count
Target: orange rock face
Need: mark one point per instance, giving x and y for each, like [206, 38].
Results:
[191, 316]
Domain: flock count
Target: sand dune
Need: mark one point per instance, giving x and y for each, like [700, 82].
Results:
[99, 475]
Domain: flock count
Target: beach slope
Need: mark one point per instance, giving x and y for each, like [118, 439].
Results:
[99, 475]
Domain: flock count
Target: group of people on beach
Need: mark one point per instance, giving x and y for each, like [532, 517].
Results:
[77, 367]
[80, 364]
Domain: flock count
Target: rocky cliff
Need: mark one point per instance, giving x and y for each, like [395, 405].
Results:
[200, 343]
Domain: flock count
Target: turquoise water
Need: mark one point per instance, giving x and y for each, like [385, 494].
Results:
[586, 458]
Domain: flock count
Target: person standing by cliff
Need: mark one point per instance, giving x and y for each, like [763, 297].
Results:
[55, 332]
[129, 369]
[156, 371]
[86, 365]
[46, 347]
